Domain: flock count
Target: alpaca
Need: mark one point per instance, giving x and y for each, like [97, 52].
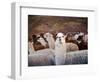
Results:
[41, 58]
[83, 45]
[71, 38]
[60, 49]
[85, 38]
[30, 48]
[50, 40]
[71, 47]
[41, 40]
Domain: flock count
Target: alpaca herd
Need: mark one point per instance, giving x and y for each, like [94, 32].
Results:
[58, 49]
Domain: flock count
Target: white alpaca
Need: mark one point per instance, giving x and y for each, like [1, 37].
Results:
[50, 40]
[60, 49]
[30, 48]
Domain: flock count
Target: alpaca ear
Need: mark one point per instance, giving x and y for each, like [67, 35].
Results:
[44, 36]
[41, 34]
[54, 36]
[33, 37]
[65, 36]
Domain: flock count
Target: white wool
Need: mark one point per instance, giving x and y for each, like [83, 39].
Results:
[81, 34]
[42, 41]
[30, 48]
[50, 40]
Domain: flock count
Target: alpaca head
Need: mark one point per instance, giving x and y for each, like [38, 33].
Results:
[48, 36]
[60, 38]
[41, 40]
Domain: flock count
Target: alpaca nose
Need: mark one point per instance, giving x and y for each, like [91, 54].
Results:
[59, 39]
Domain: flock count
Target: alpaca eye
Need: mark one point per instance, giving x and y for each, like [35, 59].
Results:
[45, 35]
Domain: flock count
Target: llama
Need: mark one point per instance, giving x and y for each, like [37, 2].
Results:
[50, 40]
[60, 49]
[30, 48]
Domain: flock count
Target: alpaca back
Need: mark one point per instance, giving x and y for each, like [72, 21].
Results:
[71, 47]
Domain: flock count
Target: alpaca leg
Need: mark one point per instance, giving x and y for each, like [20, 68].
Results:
[59, 60]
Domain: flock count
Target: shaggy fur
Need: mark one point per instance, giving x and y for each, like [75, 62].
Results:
[42, 41]
[77, 57]
[39, 42]
[41, 58]
[71, 47]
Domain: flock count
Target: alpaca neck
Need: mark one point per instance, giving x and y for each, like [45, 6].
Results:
[51, 43]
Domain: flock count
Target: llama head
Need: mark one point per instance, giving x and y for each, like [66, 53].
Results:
[60, 38]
